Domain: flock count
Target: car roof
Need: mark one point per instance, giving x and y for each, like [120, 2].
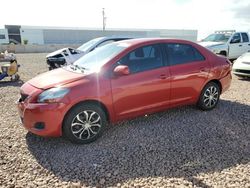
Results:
[138, 41]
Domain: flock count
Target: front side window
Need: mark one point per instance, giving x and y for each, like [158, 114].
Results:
[236, 38]
[245, 37]
[143, 59]
[182, 53]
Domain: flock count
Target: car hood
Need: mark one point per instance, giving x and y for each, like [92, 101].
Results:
[56, 52]
[245, 59]
[209, 44]
[55, 78]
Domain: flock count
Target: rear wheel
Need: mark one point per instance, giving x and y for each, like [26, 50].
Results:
[209, 96]
[84, 123]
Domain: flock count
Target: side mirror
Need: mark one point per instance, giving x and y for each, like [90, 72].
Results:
[235, 40]
[121, 70]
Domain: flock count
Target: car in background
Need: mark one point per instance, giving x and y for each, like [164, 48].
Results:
[241, 66]
[228, 43]
[69, 55]
[119, 81]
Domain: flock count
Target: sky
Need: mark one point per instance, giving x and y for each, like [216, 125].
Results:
[202, 15]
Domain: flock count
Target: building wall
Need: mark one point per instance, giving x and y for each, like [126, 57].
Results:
[54, 35]
[57, 36]
[34, 36]
[4, 38]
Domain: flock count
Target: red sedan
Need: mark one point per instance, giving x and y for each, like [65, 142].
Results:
[119, 81]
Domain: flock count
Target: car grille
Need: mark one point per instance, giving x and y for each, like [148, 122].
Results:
[23, 97]
[242, 71]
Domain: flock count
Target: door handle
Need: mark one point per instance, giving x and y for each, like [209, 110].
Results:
[248, 44]
[163, 76]
[240, 45]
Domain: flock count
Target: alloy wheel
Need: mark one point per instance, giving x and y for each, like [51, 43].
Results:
[86, 124]
[211, 96]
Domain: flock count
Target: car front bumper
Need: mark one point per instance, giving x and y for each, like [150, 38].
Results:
[42, 119]
[241, 72]
[241, 68]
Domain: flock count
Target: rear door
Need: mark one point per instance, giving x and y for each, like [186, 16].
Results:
[245, 42]
[236, 46]
[146, 88]
[189, 71]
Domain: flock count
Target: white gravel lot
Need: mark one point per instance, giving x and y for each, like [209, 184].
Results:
[181, 147]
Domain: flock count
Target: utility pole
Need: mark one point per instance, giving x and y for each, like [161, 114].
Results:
[103, 19]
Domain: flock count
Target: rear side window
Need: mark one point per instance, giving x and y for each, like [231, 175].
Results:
[143, 59]
[245, 37]
[182, 53]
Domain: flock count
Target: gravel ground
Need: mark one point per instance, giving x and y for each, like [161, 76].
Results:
[181, 147]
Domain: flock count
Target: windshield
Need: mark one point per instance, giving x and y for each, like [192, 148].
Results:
[94, 60]
[88, 45]
[222, 37]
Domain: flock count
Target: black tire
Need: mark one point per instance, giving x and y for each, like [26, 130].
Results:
[87, 127]
[209, 96]
[224, 53]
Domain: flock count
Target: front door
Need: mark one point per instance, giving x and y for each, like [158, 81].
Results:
[146, 88]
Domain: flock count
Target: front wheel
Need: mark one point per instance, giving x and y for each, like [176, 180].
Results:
[84, 123]
[209, 96]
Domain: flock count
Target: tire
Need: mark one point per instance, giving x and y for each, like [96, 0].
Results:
[209, 96]
[224, 53]
[84, 123]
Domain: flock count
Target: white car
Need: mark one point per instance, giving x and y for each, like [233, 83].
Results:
[69, 55]
[229, 43]
[241, 66]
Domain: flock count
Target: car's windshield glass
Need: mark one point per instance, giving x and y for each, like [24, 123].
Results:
[220, 37]
[94, 60]
[88, 44]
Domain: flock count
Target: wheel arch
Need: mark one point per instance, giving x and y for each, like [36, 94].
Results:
[95, 102]
[223, 52]
[215, 81]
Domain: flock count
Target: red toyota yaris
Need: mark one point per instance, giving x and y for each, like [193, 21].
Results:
[119, 81]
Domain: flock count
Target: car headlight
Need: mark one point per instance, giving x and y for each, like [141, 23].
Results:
[52, 95]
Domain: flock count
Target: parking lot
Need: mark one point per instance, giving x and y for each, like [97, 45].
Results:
[182, 147]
